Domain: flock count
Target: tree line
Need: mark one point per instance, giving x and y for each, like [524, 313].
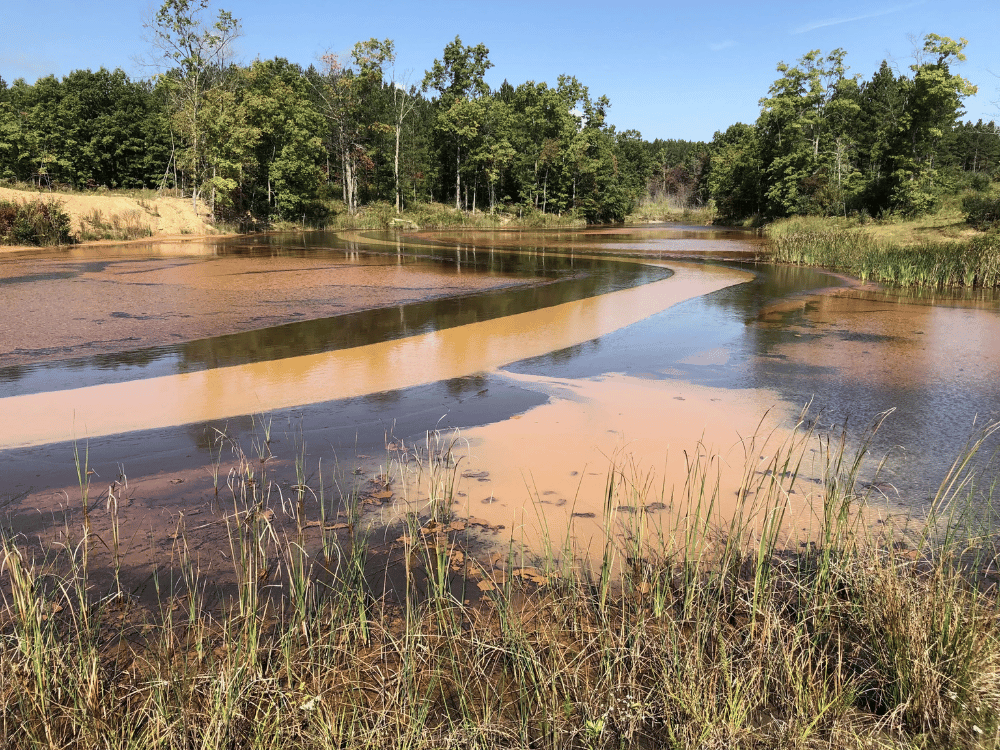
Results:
[272, 140]
[831, 144]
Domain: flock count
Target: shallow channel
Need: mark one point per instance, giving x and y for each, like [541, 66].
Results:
[443, 330]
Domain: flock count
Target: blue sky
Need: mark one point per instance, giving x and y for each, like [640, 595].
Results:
[671, 70]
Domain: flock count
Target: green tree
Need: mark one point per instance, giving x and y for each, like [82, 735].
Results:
[350, 102]
[195, 54]
[736, 172]
[288, 149]
[459, 80]
[934, 104]
[880, 131]
[804, 122]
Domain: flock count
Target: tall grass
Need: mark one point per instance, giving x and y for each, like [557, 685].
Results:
[382, 215]
[939, 265]
[669, 209]
[127, 225]
[681, 633]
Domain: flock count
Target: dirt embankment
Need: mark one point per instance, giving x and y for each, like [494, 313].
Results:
[165, 217]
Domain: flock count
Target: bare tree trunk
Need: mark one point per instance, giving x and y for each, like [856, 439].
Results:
[535, 191]
[458, 178]
[194, 160]
[351, 187]
[395, 171]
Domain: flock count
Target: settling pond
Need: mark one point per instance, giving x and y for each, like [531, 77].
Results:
[555, 353]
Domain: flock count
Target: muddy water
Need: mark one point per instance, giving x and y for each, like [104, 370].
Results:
[263, 299]
[226, 392]
[554, 357]
[849, 351]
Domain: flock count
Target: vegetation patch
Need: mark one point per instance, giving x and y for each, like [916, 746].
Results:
[679, 634]
[981, 211]
[128, 225]
[33, 222]
[670, 209]
[859, 252]
[383, 215]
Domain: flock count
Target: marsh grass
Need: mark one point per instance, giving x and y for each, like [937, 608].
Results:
[668, 209]
[382, 215]
[854, 250]
[683, 631]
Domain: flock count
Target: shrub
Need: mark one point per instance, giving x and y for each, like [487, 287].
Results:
[981, 211]
[37, 222]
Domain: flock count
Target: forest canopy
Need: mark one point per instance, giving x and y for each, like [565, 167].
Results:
[271, 140]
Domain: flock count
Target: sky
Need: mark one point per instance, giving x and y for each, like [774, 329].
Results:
[671, 69]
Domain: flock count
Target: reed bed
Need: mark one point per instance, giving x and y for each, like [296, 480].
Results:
[937, 265]
[682, 633]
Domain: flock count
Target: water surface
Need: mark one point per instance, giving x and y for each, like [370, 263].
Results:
[462, 308]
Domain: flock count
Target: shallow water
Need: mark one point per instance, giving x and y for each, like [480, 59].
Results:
[551, 308]
[108, 315]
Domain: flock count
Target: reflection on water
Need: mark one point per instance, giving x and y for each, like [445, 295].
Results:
[851, 353]
[350, 296]
[802, 334]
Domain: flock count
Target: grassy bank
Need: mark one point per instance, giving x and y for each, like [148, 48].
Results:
[383, 215]
[668, 210]
[866, 253]
[678, 634]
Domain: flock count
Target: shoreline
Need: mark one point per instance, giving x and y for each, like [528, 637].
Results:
[167, 238]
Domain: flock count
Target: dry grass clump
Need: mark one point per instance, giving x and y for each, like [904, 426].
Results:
[128, 225]
[382, 215]
[671, 209]
[679, 634]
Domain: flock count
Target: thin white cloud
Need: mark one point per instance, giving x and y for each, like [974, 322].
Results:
[22, 64]
[719, 46]
[837, 21]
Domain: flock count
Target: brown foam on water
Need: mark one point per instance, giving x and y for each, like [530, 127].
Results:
[221, 393]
